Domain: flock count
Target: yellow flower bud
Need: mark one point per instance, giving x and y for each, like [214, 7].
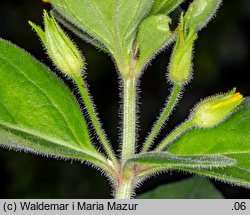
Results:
[214, 110]
[59, 47]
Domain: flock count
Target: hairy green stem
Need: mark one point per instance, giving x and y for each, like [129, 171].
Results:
[94, 119]
[174, 134]
[129, 118]
[172, 101]
[125, 184]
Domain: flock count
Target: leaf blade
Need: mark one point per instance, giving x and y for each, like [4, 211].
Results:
[165, 160]
[38, 110]
[191, 188]
[238, 175]
[113, 23]
[165, 6]
[154, 35]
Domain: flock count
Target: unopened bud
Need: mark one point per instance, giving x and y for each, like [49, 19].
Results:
[214, 110]
[60, 48]
[180, 68]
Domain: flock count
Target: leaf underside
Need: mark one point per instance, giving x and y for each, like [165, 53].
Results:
[154, 35]
[113, 23]
[191, 188]
[165, 6]
[151, 162]
[231, 139]
[37, 111]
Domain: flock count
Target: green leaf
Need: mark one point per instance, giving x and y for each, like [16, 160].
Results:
[37, 112]
[165, 160]
[165, 6]
[200, 12]
[231, 139]
[81, 34]
[154, 34]
[191, 188]
[113, 22]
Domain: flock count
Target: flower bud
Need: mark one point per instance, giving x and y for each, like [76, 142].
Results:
[214, 110]
[200, 12]
[59, 47]
[180, 68]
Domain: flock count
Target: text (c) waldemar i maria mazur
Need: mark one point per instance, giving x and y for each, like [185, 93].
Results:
[77, 206]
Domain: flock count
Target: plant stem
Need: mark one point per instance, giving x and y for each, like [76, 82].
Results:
[174, 134]
[94, 119]
[172, 101]
[129, 118]
[125, 184]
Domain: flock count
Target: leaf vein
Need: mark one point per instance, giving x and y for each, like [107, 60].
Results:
[16, 68]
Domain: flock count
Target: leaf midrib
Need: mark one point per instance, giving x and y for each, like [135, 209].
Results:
[38, 135]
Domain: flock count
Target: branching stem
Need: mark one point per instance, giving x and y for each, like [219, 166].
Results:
[125, 186]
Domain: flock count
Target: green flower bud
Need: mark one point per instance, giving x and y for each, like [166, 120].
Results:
[59, 47]
[200, 12]
[180, 67]
[214, 110]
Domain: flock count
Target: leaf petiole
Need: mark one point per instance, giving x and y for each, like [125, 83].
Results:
[94, 119]
[175, 134]
[171, 103]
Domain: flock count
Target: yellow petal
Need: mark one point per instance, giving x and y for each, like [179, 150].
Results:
[234, 98]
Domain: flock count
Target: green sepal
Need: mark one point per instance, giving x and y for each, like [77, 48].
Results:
[180, 66]
[60, 48]
[39, 31]
[213, 110]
